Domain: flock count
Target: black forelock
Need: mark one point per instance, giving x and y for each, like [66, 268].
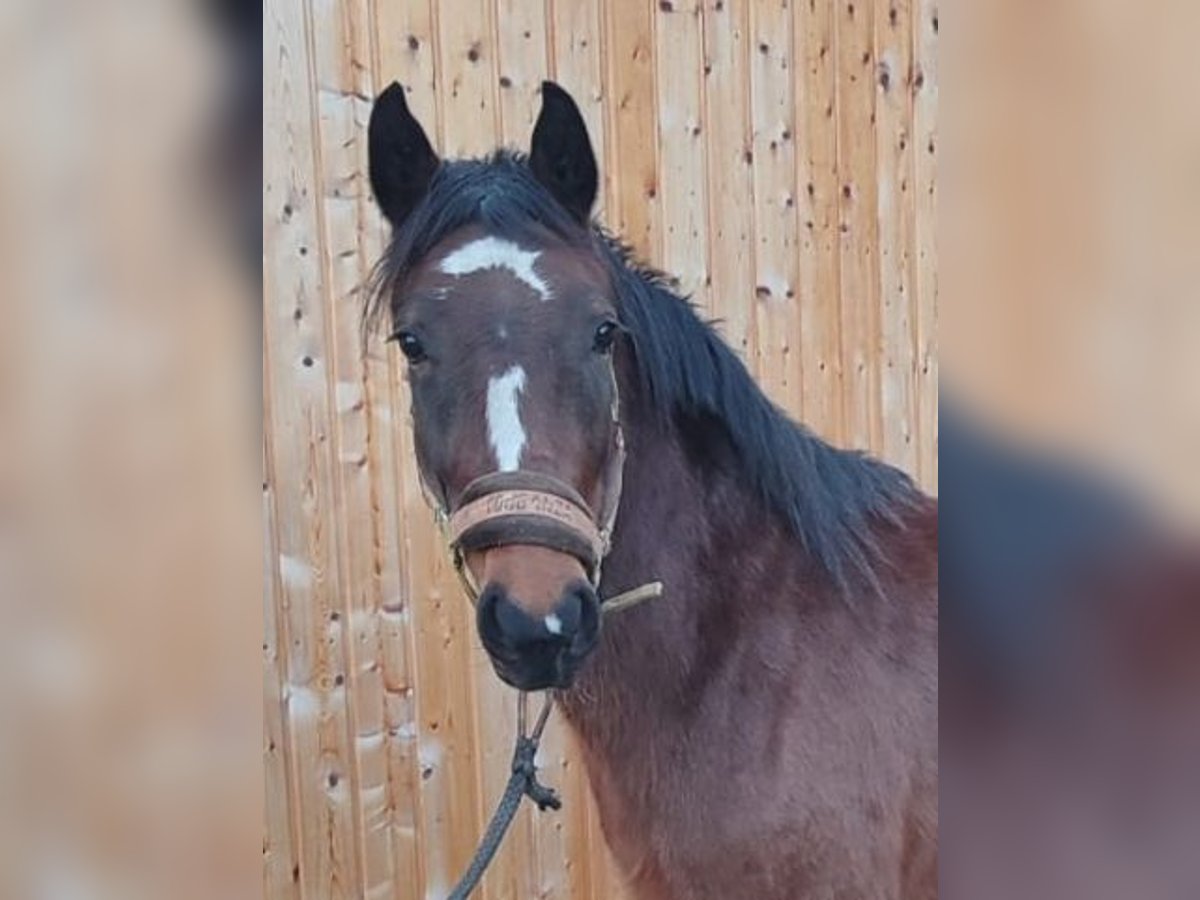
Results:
[832, 498]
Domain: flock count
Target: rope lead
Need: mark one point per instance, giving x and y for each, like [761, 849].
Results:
[523, 781]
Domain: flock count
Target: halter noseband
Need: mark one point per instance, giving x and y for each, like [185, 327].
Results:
[525, 507]
[533, 508]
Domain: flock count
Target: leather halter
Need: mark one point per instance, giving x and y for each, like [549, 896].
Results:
[526, 507]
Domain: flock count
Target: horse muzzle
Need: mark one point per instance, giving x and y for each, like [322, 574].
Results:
[533, 652]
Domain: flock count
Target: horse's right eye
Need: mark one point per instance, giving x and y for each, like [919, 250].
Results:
[606, 333]
[410, 345]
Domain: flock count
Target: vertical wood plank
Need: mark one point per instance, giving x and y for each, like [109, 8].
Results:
[818, 190]
[576, 62]
[521, 59]
[894, 168]
[445, 734]
[344, 56]
[387, 725]
[466, 74]
[729, 160]
[925, 104]
[633, 117]
[403, 50]
[279, 856]
[295, 328]
[772, 110]
[406, 51]
[682, 188]
[858, 223]
[400, 640]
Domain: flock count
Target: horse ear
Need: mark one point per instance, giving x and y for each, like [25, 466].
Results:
[560, 154]
[401, 160]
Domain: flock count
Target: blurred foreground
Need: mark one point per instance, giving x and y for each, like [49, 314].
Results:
[1070, 678]
[1069, 456]
[129, 562]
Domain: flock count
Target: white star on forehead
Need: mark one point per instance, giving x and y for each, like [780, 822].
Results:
[495, 253]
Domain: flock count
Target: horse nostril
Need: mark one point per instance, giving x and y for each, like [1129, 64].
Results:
[502, 621]
[485, 612]
[514, 622]
[545, 643]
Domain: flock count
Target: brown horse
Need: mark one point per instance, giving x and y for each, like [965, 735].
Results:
[766, 728]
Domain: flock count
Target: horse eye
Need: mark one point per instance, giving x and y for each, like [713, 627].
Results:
[606, 333]
[410, 345]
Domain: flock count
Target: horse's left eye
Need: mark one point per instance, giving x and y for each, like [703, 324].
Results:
[606, 333]
[410, 345]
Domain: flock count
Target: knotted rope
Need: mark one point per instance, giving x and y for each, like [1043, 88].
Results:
[522, 782]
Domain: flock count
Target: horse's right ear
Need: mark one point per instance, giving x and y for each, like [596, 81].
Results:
[401, 159]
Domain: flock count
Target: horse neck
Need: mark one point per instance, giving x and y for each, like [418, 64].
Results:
[686, 519]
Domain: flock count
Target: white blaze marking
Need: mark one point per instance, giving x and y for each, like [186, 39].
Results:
[505, 433]
[553, 624]
[494, 253]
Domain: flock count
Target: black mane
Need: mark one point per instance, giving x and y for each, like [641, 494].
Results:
[830, 497]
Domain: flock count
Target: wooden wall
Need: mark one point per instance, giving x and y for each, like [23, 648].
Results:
[777, 156]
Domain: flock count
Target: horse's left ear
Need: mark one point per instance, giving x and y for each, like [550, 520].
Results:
[560, 154]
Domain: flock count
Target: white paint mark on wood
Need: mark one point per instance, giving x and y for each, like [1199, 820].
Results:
[430, 754]
[295, 573]
[303, 704]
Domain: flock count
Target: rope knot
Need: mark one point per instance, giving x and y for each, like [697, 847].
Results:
[522, 763]
[523, 766]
